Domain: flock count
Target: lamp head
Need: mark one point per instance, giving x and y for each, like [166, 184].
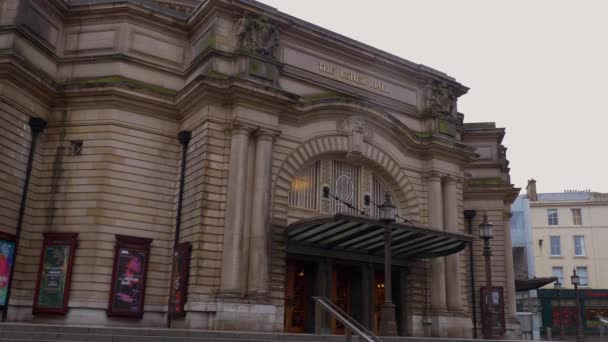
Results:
[485, 228]
[557, 285]
[387, 210]
[575, 279]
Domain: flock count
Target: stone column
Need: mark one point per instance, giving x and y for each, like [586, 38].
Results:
[435, 212]
[233, 277]
[259, 249]
[509, 271]
[452, 262]
[248, 206]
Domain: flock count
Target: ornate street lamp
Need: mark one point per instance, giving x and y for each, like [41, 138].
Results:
[388, 325]
[576, 281]
[485, 232]
[558, 286]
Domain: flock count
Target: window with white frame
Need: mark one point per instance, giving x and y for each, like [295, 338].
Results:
[579, 246]
[552, 218]
[558, 272]
[556, 246]
[577, 218]
[581, 271]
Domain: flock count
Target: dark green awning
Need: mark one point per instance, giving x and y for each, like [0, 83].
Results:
[365, 236]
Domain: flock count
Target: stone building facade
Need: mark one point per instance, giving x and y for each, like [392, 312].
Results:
[277, 109]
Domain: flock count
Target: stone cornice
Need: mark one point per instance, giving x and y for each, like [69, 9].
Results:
[306, 33]
[507, 193]
[125, 10]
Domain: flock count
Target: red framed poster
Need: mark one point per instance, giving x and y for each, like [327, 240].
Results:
[129, 273]
[7, 258]
[179, 279]
[55, 273]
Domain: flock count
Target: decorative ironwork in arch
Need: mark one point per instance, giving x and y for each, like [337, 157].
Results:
[349, 182]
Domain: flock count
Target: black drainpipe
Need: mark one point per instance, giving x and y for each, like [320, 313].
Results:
[469, 215]
[37, 125]
[184, 138]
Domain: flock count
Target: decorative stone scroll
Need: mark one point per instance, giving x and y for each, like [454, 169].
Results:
[257, 34]
[358, 131]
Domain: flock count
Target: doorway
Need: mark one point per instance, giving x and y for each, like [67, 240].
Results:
[297, 297]
[346, 293]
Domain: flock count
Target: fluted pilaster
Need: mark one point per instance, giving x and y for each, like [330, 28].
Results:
[259, 251]
[435, 209]
[233, 275]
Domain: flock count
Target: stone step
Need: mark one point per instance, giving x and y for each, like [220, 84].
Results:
[18, 331]
[30, 340]
[42, 336]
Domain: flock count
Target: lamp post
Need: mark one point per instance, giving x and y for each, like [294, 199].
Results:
[485, 232]
[576, 280]
[558, 286]
[388, 326]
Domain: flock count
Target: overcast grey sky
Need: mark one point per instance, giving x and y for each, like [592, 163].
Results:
[539, 68]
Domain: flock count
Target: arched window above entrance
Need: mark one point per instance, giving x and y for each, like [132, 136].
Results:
[348, 181]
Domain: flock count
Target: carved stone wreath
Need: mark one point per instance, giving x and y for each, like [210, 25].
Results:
[257, 34]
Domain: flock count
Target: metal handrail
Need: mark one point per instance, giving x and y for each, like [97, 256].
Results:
[603, 326]
[350, 324]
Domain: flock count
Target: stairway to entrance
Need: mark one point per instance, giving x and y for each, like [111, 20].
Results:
[17, 332]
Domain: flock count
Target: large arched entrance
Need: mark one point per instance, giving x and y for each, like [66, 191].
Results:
[356, 286]
[329, 243]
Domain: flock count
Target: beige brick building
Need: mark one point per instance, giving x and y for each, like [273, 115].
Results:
[569, 231]
[278, 109]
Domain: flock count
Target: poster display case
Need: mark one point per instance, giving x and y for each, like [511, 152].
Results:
[54, 273]
[7, 258]
[179, 279]
[129, 275]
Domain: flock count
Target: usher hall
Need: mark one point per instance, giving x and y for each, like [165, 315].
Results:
[219, 165]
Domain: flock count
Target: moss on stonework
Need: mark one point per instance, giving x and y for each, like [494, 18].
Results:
[424, 135]
[262, 69]
[216, 74]
[121, 81]
[444, 127]
[211, 40]
[486, 181]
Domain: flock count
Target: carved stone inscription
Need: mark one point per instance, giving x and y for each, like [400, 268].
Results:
[351, 76]
[397, 90]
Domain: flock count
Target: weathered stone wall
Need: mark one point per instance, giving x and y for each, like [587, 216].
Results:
[125, 80]
[124, 182]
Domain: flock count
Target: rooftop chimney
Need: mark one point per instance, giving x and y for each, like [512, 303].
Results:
[531, 190]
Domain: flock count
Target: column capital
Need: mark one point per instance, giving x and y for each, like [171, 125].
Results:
[240, 128]
[268, 134]
[432, 176]
[453, 180]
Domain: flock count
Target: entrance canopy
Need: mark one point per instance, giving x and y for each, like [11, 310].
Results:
[364, 236]
[532, 283]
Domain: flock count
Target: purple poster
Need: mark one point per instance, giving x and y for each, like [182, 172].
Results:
[7, 255]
